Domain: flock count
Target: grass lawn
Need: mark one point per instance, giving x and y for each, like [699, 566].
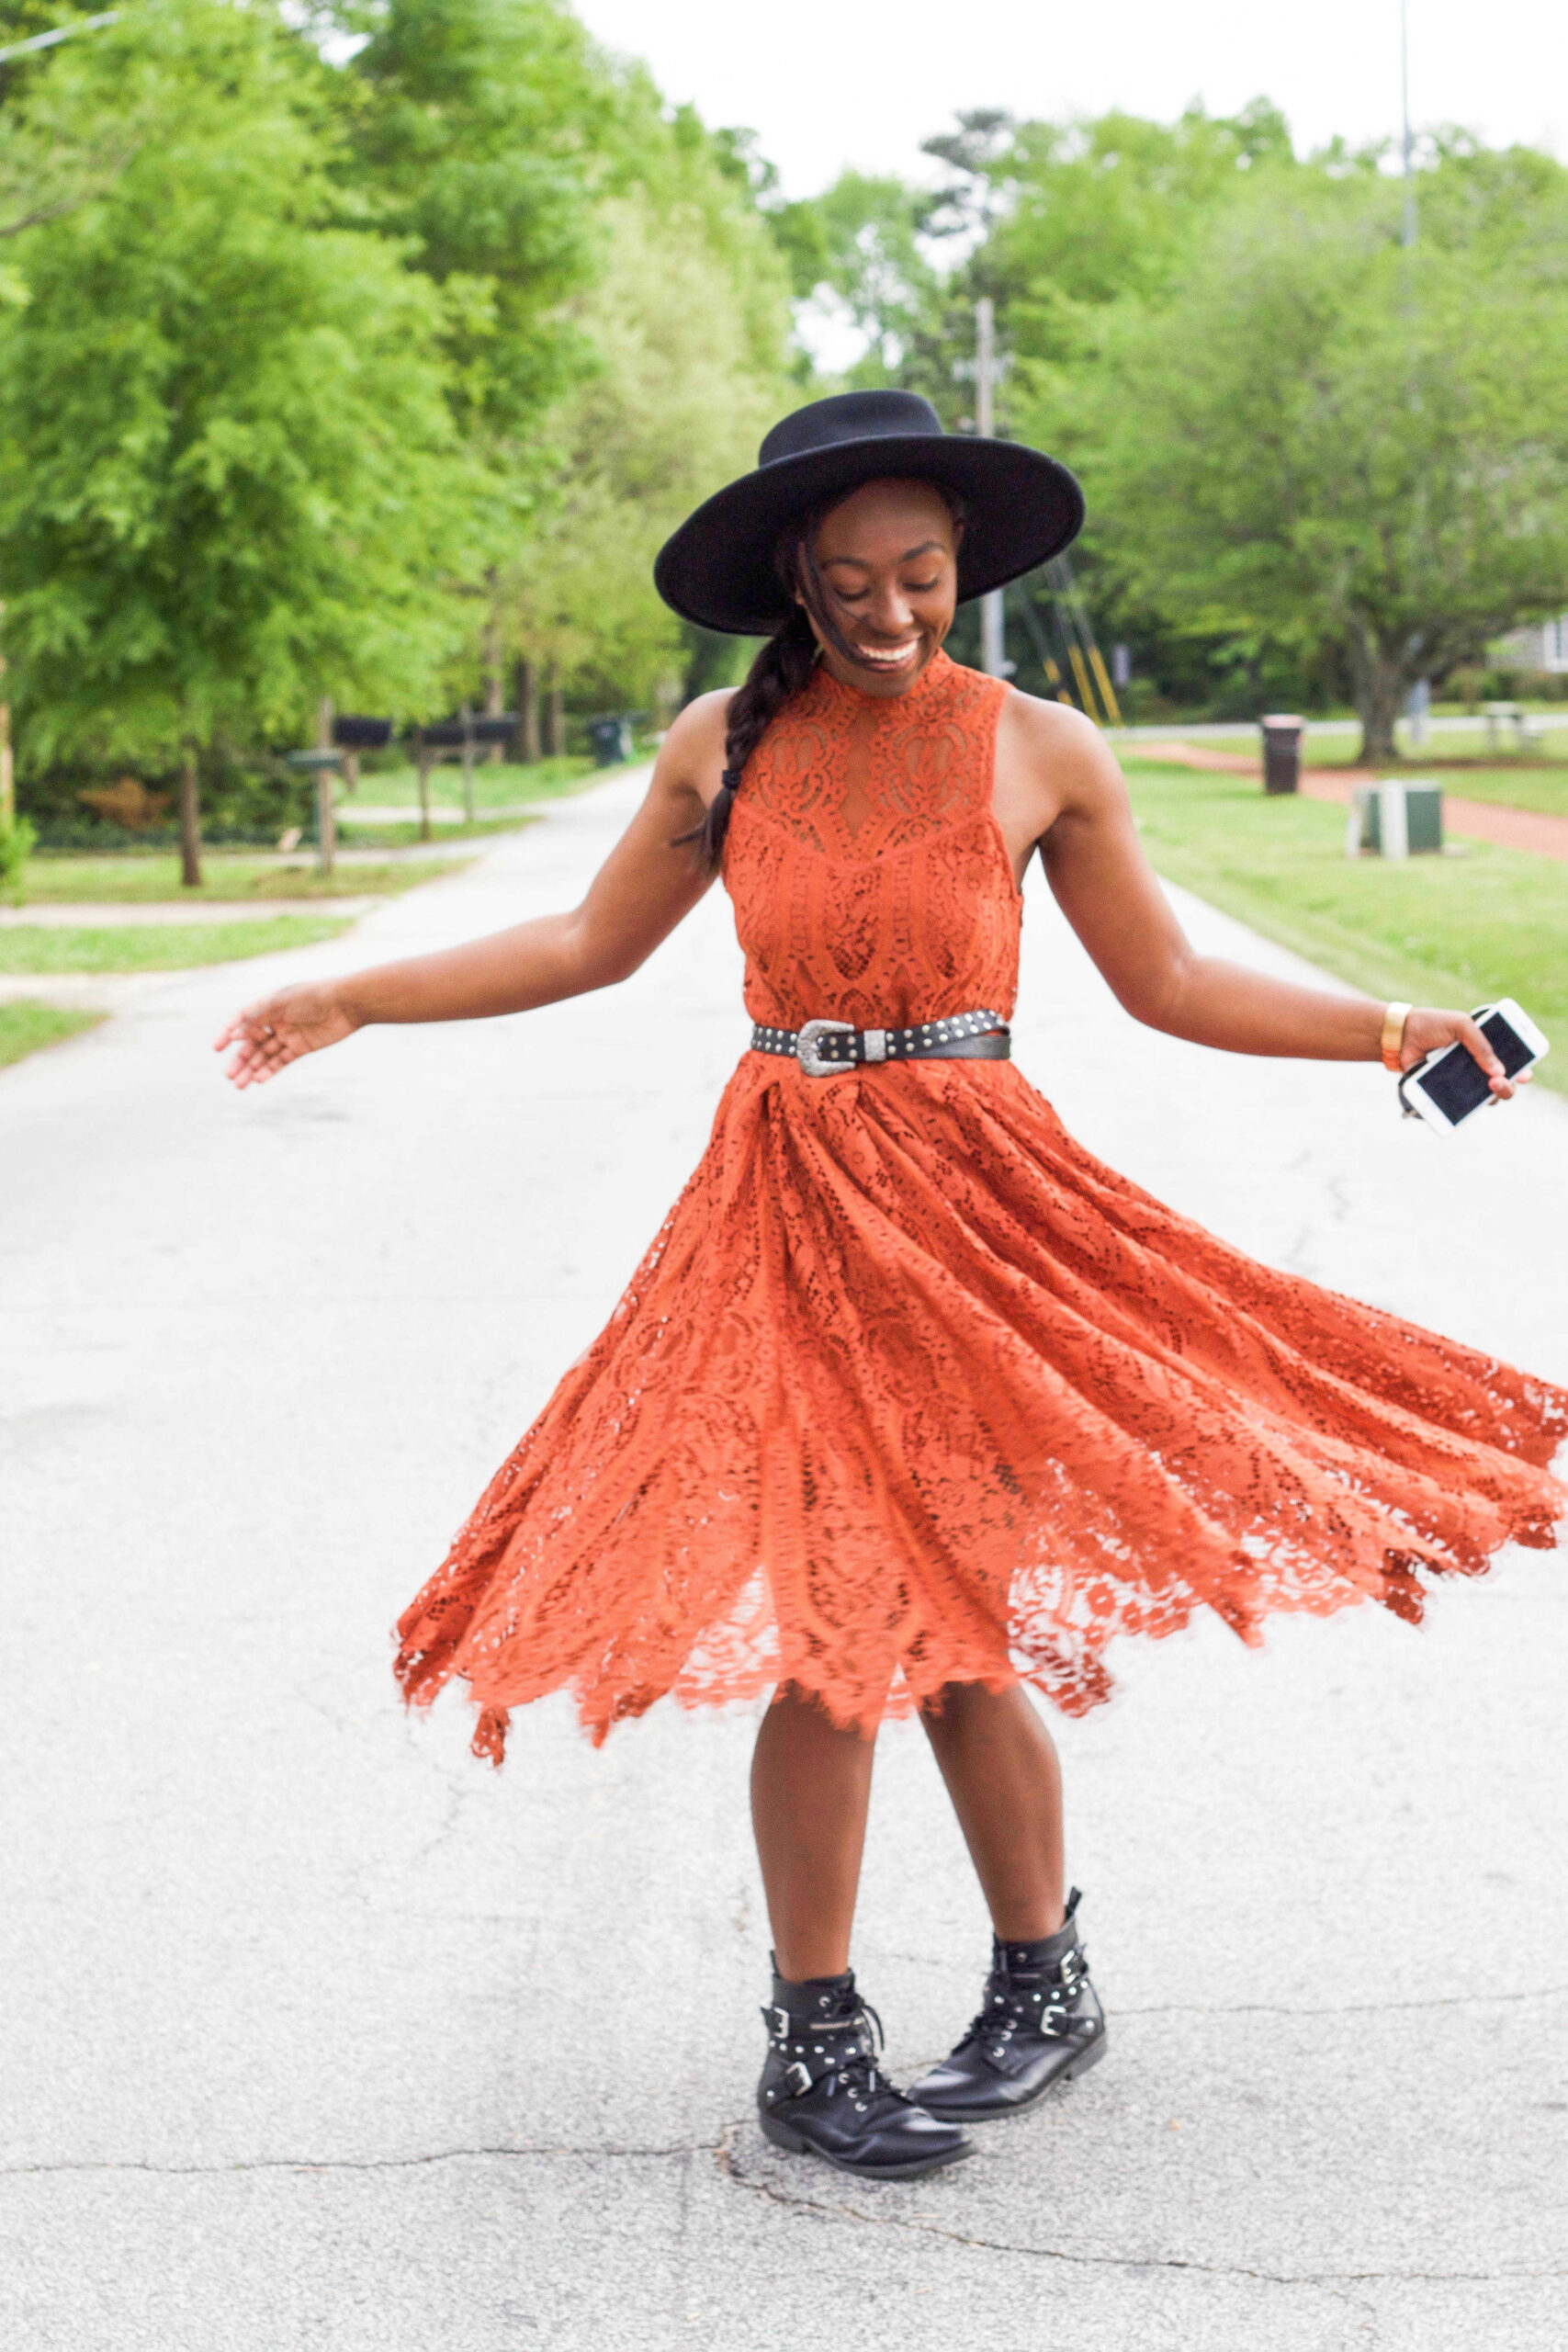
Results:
[501, 787]
[132, 875]
[1438, 929]
[157, 948]
[25, 1027]
[353, 834]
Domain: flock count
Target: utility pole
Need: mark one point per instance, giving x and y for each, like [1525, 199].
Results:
[993, 635]
[1420, 702]
[1407, 234]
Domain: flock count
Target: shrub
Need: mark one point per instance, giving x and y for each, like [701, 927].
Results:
[17, 841]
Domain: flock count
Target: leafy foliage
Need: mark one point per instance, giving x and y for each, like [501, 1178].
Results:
[1314, 460]
[231, 481]
[350, 380]
[688, 319]
[1321, 436]
[482, 129]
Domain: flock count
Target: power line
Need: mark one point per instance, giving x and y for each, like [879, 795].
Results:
[61, 32]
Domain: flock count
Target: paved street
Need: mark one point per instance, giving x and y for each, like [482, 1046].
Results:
[318, 2034]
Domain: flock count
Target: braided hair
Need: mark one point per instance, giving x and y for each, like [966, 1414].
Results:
[784, 666]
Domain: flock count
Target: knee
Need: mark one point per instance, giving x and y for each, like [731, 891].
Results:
[803, 1714]
[956, 1701]
[961, 1711]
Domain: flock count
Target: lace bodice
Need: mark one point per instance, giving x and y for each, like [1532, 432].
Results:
[870, 880]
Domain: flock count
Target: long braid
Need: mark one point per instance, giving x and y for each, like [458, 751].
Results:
[782, 667]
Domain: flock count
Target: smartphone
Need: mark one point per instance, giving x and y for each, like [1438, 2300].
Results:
[1451, 1085]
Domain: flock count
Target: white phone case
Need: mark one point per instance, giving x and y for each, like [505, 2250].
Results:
[1413, 1086]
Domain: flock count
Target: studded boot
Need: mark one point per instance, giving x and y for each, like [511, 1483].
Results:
[1041, 2023]
[822, 2093]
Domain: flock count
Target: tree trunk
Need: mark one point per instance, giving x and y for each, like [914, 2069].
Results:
[190, 821]
[1383, 686]
[7, 767]
[525, 692]
[555, 715]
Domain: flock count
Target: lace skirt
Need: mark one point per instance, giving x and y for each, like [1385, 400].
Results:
[910, 1389]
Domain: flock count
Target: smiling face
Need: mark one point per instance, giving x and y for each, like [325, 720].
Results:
[888, 559]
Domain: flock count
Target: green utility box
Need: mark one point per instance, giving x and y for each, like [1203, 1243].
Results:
[1395, 820]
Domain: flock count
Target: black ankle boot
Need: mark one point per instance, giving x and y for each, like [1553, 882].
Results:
[823, 2094]
[1041, 2023]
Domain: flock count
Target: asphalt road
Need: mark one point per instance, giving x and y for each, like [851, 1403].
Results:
[316, 2033]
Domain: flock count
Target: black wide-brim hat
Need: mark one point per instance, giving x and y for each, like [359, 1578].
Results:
[718, 568]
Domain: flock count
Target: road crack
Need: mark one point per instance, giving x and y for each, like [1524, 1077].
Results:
[1349, 2008]
[1331, 2281]
[504, 2150]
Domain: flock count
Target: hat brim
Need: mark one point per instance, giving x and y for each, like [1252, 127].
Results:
[718, 568]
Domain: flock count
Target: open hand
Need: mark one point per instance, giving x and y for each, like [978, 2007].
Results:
[1426, 1031]
[276, 1030]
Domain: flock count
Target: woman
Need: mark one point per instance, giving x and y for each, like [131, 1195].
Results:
[912, 1399]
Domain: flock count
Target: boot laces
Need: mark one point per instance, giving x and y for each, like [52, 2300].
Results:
[858, 2071]
[1007, 2005]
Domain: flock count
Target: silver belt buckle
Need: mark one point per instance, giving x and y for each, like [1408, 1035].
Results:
[806, 1043]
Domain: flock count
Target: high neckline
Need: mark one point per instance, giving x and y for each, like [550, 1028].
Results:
[936, 671]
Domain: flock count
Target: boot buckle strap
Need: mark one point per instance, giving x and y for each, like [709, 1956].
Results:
[798, 2090]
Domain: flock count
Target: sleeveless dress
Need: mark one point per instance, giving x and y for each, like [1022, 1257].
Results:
[911, 1389]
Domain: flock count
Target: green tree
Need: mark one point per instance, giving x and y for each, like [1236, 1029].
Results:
[689, 322]
[231, 478]
[1095, 214]
[51, 158]
[1326, 438]
[483, 131]
[862, 242]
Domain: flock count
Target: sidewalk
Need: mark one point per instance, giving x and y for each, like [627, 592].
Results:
[120, 914]
[321, 2035]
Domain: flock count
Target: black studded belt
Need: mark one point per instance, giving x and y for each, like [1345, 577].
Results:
[822, 1047]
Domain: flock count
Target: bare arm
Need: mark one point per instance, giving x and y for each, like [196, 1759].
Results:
[640, 894]
[1055, 770]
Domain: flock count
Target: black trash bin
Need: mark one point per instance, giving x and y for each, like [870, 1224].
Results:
[1282, 752]
[611, 738]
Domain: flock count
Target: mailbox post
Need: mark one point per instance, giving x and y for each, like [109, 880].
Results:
[326, 815]
[320, 764]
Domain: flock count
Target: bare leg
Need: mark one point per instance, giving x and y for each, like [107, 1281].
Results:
[1000, 1764]
[811, 1787]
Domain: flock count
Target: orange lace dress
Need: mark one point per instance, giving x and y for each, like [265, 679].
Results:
[911, 1389]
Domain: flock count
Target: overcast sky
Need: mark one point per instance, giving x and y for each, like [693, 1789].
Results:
[827, 82]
